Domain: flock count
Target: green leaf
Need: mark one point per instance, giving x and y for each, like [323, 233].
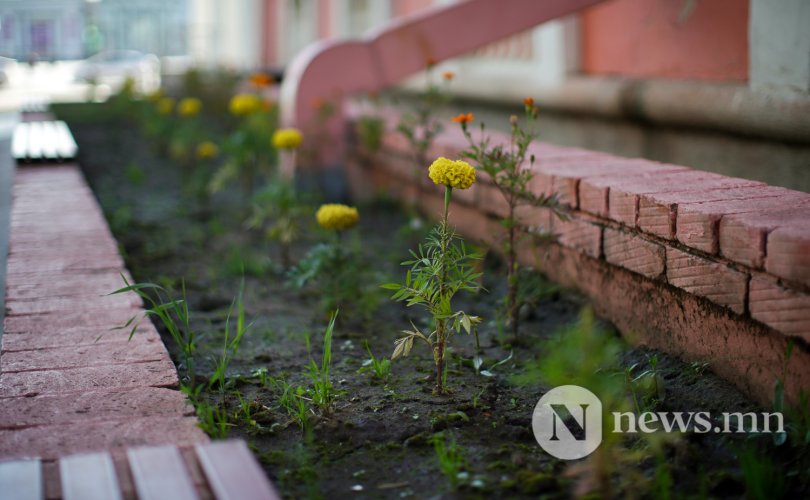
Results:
[778, 396]
[499, 363]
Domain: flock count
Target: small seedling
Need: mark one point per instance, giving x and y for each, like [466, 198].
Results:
[263, 375]
[213, 420]
[451, 458]
[477, 398]
[245, 412]
[173, 313]
[294, 403]
[380, 368]
[230, 343]
[322, 392]
[647, 388]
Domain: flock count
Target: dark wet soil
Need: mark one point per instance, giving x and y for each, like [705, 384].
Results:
[377, 441]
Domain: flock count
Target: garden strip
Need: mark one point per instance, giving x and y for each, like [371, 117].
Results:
[719, 267]
[384, 433]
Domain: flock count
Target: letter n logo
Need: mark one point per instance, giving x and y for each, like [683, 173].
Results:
[577, 428]
[567, 422]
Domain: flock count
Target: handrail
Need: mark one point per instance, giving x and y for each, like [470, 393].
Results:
[330, 70]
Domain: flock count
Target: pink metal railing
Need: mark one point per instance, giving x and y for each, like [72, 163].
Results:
[330, 70]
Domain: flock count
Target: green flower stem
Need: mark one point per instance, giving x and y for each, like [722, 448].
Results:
[441, 324]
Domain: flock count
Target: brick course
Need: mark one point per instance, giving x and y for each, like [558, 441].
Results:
[780, 308]
[634, 253]
[708, 279]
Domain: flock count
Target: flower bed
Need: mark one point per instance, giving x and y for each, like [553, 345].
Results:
[314, 394]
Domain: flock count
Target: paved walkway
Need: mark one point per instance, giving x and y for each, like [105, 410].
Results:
[68, 382]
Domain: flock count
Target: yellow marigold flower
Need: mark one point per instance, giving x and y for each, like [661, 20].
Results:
[337, 217]
[165, 105]
[463, 118]
[188, 107]
[286, 138]
[207, 150]
[454, 173]
[528, 102]
[244, 104]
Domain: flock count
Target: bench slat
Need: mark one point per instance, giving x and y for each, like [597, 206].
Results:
[159, 473]
[21, 480]
[89, 477]
[49, 140]
[233, 472]
[35, 140]
[66, 146]
[19, 143]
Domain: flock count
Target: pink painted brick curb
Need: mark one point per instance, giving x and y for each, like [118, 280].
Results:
[69, 381]
[737, 251]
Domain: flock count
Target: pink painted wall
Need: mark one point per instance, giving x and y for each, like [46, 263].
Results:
[405, 7]
[659, 39]
[269, 40]
[325, 13]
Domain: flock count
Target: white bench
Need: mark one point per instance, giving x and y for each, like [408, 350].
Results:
[43, 141]
[230, 472]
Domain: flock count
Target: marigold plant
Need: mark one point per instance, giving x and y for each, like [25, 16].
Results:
[277, 210]
[287, 138]
[189, 107]
[249, 152]
[339, 276]
[337, 217]
[439, 269]
[509, 167]
[245, 104]
[198, 175]
[207, 150]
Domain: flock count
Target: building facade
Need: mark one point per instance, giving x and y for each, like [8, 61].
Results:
[75, 29]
